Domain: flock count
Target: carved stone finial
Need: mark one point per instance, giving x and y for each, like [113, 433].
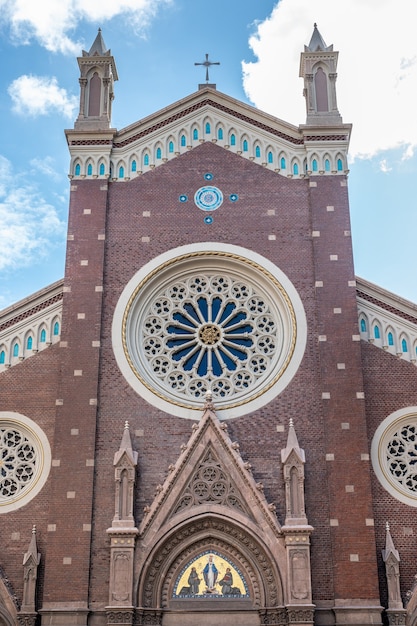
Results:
[387, 526]
[183, 447]
[126, 425]
[235, 445]
[194, 427]
[208, 396]
[34, 529]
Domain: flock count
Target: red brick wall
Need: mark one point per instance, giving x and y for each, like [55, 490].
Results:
[29, 388]
[317, 422]
[390, 384]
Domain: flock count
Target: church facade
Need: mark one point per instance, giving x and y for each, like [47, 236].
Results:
[210, 420]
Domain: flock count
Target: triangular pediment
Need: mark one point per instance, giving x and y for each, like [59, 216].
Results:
[209, 476]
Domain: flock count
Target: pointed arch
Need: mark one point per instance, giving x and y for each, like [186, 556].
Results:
[220, 132]
[295, 167]
[2, 355]
[89, 170]
[206, 533]
[363, 324]
[391, 338]
[16, 351]
[101, 168]
[321, 89]
[42, 334]
[94, 93]
[170, 145]
[340, 163]
[257, 151]
[29, 341]
[77, 168]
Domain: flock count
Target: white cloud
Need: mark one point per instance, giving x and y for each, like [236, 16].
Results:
[40, 95]
[28, 223]
[45, 166]
[52, 22]
[377, 71]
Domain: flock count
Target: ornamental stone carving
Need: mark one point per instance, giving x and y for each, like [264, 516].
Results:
[210, 483]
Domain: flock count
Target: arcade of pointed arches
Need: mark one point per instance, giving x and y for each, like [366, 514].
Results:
[260, 150]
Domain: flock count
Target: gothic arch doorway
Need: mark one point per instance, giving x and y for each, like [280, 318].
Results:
[210, 568]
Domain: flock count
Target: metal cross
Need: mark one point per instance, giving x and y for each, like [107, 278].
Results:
[207, 64]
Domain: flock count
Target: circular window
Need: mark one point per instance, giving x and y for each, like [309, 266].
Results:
[25, 460]
[394, 454]
[202, 318]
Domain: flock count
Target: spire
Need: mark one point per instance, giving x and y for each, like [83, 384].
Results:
[98, 48]
[391, 559]
[389, 546]
[31, 560]
[293, 460]
[97, 75]
[126, 448]
[318, 66]
[317, 42]
[292, 445]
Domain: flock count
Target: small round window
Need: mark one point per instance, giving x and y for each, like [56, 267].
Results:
[25, 460]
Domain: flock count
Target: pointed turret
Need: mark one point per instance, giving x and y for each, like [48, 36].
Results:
[293, 460]
[97, 75]
[391, 559]
[98, 48]
[318, 67]
[31, 562]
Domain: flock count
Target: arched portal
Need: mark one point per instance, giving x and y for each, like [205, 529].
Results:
[246, 581]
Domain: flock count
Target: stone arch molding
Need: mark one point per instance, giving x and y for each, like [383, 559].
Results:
[209, 316]
[219, 535]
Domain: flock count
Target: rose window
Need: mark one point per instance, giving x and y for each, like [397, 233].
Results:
[210, 331]
[394, 454]
[402, 456]
[208, 320]
[24, 460]
[17, 462]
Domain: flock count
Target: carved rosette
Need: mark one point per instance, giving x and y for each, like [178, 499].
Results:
[396, 618]
[26, 619]
[273, 617]
[300, 615]
[122, 618]
[148, 617]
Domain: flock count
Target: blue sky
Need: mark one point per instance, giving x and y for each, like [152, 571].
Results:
[155, 44]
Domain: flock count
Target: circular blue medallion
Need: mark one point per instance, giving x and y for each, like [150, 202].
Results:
[208, 219]
[208, 198]
[208, 176]
[183, 198]
[234, 197]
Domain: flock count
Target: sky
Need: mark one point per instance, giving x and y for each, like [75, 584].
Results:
[155, 44]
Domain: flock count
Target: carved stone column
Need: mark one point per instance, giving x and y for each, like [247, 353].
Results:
[123, 535]
[297, 533]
